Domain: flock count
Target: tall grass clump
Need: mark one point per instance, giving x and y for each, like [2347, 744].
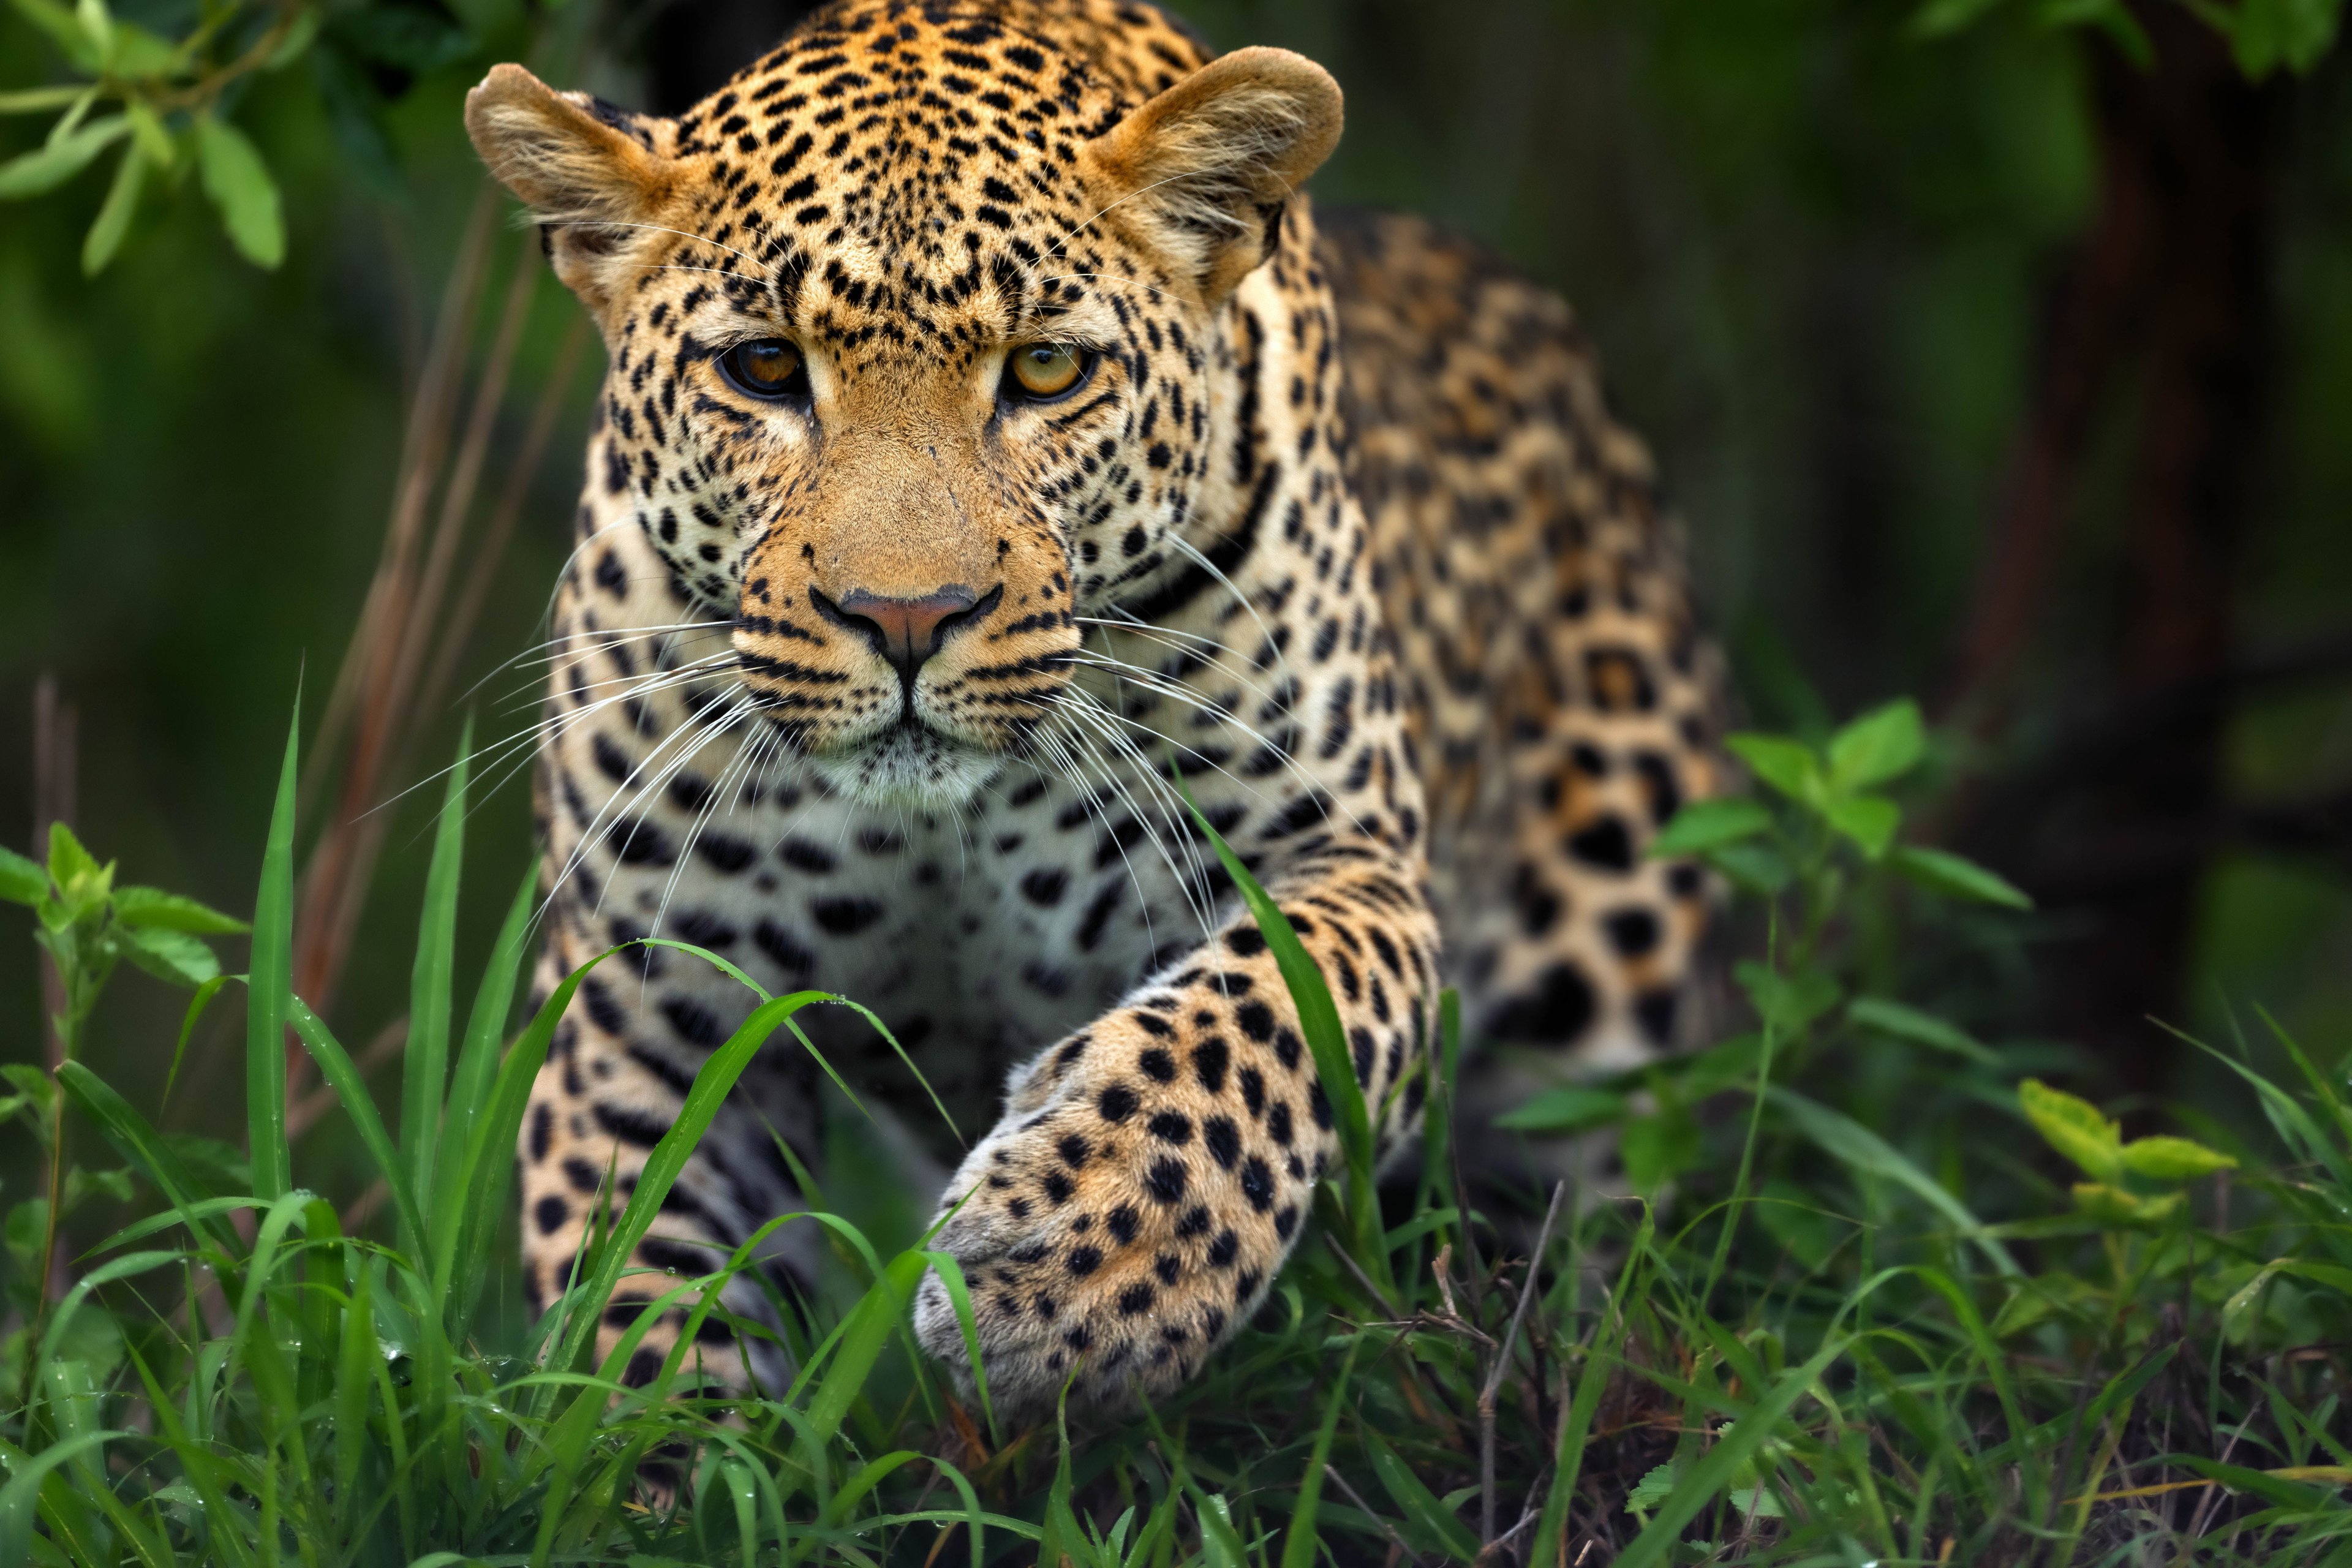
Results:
[1873, 1291]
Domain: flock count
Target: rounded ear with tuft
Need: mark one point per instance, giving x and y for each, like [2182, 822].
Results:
[1199, 173]
[598, 177]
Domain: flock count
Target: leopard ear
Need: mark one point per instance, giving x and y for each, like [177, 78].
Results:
[1199, 172]
[597, 177]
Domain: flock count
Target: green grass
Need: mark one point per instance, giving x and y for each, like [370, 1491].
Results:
[1865, 1313]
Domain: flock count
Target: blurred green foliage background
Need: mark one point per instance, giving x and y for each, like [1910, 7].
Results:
[2009, 366]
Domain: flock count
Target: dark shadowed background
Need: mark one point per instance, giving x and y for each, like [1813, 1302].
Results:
[1994, 368]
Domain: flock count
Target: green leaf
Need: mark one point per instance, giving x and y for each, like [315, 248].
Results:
[97, 25]
[239, 185]
[1566, 1109]
[1909, 1023]
[33, 1086]
[1708, 824]
[47, 166]
[2266, 34]
[2114, 1206]
[1699, 1075]
[2075, 1128]
[68, 862]
[1789, 766]
[1939, 871]
[1941, 18]
[1658, 1148]
[36, 99]
[1883, 744]
[1787, 1002]
[298, 37]
[136, 906]
[63, 30]
[1869, 820]
[139, 52]
[149, 135]
[172, 956]
[21, 882]
[1757, 868]
[1656, 1486]
[2162, 1159]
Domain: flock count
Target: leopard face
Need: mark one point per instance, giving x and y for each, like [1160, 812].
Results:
[914, 343]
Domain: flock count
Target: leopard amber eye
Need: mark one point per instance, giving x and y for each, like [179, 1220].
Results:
[765, 367]
[1040, 371]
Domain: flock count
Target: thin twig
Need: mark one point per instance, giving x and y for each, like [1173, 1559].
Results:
[1529, 1290]
[1356, 1271]
[1370, 1512]
[384, 716]
[495, 538]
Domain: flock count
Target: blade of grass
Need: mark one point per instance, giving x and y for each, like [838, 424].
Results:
[268, 987]
[1849, 1140]
[343, 1074]
[668, 1157]
[951, 1279]
[18, 1497]
[490, 1159]
[424, 1065]
[1335, 1068]
[141, 1145]
[104, 1274]
[1438, 1526]
[1298, 1545]
[473, 1086]
[352, 1386]
[195, 1010]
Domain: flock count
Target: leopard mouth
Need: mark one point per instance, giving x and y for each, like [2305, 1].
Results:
[910, 763]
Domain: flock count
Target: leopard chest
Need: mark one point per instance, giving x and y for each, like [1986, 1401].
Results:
[975, 934]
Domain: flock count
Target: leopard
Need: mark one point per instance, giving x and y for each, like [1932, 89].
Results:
[1005, 488]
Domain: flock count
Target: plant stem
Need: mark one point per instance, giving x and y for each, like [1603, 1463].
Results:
[68, 1031]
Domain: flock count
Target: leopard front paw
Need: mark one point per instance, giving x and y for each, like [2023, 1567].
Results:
[1114, 1234]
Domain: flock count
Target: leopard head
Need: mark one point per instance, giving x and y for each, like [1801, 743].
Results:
[912, 331]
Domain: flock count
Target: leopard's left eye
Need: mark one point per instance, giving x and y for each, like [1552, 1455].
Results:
[1039, 372]
[766, 368]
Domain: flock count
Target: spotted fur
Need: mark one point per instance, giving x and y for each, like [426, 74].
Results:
[1336, 523]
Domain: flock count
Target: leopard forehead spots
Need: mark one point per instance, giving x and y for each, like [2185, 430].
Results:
[992, 434]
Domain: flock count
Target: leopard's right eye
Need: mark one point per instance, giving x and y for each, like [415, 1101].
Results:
[767, 368]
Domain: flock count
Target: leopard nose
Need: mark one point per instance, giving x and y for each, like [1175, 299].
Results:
[906, 631]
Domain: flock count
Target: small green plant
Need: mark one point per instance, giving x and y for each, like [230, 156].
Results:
[86, 926]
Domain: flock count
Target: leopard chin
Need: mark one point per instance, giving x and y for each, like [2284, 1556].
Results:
[909, 764]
